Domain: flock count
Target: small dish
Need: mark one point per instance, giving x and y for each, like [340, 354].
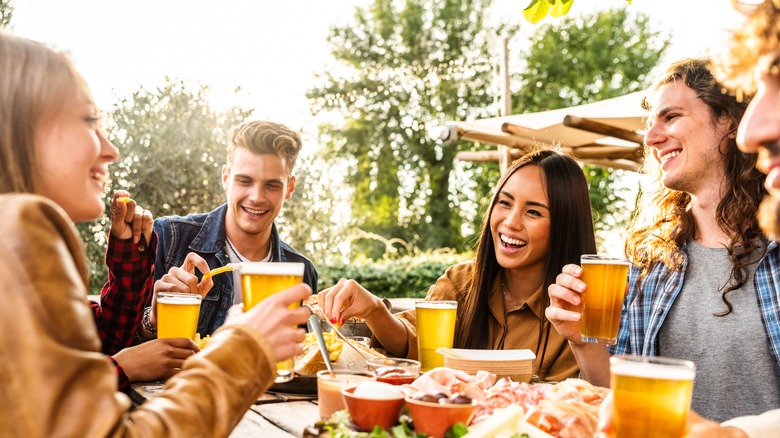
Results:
[434, 419]
[367, 413]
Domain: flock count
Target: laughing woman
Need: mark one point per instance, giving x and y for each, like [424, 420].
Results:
[55, 381]
[539, 220]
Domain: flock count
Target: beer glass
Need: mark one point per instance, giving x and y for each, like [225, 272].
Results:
[261, 280]
[601, 303]
[435, 328]
[177, 315]
[652, 395]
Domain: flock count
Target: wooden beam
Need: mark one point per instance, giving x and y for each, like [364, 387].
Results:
[602, 128]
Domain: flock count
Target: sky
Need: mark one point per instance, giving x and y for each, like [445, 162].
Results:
[269, 48]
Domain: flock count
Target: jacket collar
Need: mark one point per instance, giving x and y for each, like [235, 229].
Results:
[211, 237]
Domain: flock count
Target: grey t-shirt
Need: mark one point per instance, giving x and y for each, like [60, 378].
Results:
[736, 373]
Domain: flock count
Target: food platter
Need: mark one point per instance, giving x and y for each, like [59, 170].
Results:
[298, 385]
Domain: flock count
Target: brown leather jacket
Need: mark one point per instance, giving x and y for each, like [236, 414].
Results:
[53, 379]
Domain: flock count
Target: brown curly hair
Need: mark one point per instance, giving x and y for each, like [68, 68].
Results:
[664, 222]
[759, 36]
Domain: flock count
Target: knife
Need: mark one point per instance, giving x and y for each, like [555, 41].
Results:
[316, 327]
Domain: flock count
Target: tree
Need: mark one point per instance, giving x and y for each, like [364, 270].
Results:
[172, 147]
[586, 59]
[402, 68]
[6, 13]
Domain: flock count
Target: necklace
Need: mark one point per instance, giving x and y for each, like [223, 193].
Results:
[235, 253]
[507, 297]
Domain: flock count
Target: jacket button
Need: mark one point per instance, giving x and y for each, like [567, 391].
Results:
[223, 306]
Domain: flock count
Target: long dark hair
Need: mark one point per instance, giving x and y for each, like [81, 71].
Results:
[571, 235]
[664, 222]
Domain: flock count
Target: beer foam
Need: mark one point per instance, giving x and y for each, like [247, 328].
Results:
[652, 371]
[265, 268]
[603, 261]
[436, 304]
[178, 298]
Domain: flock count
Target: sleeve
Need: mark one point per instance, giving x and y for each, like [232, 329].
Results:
[765, 425]
[54, 377]
[129, 288]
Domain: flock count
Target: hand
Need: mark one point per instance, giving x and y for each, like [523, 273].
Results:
[699, 427]
[606, 427]
[155, 360]
[182, 280]
[565, 299]
[129, 220]
[347, 299]
[276, 322]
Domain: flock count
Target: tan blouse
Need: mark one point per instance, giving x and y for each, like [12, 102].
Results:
[509, 329]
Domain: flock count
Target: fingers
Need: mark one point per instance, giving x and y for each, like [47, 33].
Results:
[606, 425]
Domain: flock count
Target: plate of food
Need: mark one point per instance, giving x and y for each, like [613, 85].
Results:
[343, 358]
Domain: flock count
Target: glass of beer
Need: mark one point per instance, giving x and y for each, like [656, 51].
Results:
[601, 303]
[177, 315]
[261, 280]
[435, 328]
[652, 395]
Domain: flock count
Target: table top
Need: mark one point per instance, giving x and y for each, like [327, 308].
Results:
[273, 415]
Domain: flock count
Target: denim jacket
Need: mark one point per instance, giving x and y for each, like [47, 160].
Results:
[204, 234]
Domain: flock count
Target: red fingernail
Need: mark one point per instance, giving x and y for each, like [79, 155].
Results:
[333, 320]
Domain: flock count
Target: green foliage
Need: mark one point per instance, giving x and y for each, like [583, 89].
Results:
[403, 67]
[402, 277]
[587, 59]
[6, 13]
[172, 147]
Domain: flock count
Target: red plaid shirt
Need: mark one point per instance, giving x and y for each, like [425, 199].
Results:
[124, 296]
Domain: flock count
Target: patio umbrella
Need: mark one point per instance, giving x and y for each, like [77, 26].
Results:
[607, 133]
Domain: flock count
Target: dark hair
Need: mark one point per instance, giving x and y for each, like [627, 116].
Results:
[664, 222]
[571, 235]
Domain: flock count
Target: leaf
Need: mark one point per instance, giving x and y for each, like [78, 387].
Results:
[537, 10]
[561, 7]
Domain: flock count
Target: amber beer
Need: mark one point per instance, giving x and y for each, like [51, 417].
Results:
[652, 395]
[261, 280]
[435, 328]
[177, 315]
[601, 303]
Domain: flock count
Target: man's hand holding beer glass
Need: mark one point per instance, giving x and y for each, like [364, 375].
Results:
[565, 315]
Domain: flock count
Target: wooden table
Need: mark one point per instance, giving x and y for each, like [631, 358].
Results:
[273, 415]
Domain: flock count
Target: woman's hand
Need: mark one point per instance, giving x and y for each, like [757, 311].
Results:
[276, 322]
[156, 359]
[347, 299]
[130, 220]
[565, 300]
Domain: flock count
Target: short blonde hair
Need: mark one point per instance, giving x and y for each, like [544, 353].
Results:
[263, 137]
[36, 82]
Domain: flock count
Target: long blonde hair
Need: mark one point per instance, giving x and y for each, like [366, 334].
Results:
[35, 84]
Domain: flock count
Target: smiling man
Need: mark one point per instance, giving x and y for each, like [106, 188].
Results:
[702, 284]
[257, 180]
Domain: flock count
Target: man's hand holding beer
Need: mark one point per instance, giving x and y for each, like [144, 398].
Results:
[698, 427]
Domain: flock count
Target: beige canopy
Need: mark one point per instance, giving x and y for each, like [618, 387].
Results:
[608, 133]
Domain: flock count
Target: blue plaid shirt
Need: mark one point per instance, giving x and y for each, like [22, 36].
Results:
[648, 302]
